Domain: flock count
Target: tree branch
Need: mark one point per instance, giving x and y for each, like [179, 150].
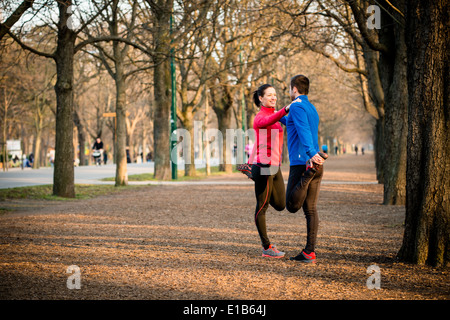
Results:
[13, 18]
[361, 22]
[26, 47]
[347, 26]
[337, 62]
[99, 12]
[111, 38]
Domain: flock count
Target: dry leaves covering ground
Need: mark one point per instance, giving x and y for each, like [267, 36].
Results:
[199, 242]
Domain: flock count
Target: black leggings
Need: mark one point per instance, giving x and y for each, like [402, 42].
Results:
[303, 191]
[269, 189]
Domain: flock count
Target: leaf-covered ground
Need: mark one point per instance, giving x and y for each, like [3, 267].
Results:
[199, 241]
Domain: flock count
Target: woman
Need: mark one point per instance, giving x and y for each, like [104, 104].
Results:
[265, 163]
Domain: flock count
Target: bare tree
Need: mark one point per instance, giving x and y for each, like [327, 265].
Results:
[391, 46]
[63, 55]
[116, 62]
[382, 71]
[427, 224]
[161, 11]
[15, 92]
[244, 44]
[193, 59]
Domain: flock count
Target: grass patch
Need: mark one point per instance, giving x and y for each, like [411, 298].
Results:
[201, 174]
[44, 192]
[4, 210]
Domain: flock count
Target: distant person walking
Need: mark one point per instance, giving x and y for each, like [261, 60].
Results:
[306, 169]
[97, 150]
[249, 148]
[105, 157]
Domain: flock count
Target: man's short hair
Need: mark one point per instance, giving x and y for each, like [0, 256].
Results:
[301, 83]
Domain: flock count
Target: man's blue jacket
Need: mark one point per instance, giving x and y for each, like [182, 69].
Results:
[302, 125]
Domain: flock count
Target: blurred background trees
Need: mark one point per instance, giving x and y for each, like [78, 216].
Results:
[75, 70]
[222, 52]
[121, 65]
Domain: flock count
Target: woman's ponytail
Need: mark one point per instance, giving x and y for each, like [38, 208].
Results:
[256, 98]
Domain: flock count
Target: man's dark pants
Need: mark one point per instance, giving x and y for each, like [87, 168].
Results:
[303, 191]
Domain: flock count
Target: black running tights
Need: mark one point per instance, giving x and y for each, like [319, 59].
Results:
[269, 189]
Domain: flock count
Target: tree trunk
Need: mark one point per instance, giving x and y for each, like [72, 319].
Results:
[38, 105]
[120, 147]
[374, 105]
[81, 137]
[394, 82]
[121, 130]
[189, 167]
[161, 131]
[63, 175]
[224, 119]
[222, 106]
[378, 97]
[427, 230]
[379, 149]
[5, 139]
[387, 86]
[162, 92]
[37, 149]
[206, 144]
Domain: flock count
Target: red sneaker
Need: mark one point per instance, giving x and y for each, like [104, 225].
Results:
[305, 257]
[312, 165]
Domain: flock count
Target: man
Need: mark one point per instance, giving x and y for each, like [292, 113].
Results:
[306, 170]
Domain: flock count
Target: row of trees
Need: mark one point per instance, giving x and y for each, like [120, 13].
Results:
[223, 50]
[233, 54]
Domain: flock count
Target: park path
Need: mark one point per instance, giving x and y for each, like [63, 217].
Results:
[16, 177]
[199, 241]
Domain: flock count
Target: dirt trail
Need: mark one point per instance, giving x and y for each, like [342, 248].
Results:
[200, 242]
